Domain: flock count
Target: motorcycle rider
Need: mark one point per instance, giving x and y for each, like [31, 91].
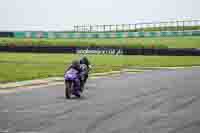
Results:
[75, 65]
[84, 60]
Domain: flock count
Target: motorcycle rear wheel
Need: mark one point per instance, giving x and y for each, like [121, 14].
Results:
[68, 89]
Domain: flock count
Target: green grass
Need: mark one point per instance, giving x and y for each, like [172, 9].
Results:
[26, 66]
[171, 42]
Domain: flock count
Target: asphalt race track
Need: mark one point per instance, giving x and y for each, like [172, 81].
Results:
[160, 101]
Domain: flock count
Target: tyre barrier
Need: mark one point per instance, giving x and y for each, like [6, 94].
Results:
[6, 34]
[163, 52]
[38, 49]
[103, 50]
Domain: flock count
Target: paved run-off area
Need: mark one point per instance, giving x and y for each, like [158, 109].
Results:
[159, 101]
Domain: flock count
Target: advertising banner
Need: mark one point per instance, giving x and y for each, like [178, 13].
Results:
[100, 51]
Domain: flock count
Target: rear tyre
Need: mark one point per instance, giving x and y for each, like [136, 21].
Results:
[82, 86]
[68, 89]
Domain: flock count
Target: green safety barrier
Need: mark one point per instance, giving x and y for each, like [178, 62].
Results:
[19, 34]
[196, 33]
[104, 35]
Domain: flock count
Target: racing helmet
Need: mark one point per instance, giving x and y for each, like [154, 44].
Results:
[75, 63]
[84, 60]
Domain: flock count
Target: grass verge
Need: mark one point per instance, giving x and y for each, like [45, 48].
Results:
[157, 42]
[26, 66]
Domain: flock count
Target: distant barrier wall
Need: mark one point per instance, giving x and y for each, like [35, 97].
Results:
[6, 34]
[102, 51]
[105, 34]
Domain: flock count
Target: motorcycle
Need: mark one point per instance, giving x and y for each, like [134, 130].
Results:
[84, 75]
[70, 83]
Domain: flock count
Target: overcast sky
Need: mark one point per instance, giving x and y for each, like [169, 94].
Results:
[63, 14]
